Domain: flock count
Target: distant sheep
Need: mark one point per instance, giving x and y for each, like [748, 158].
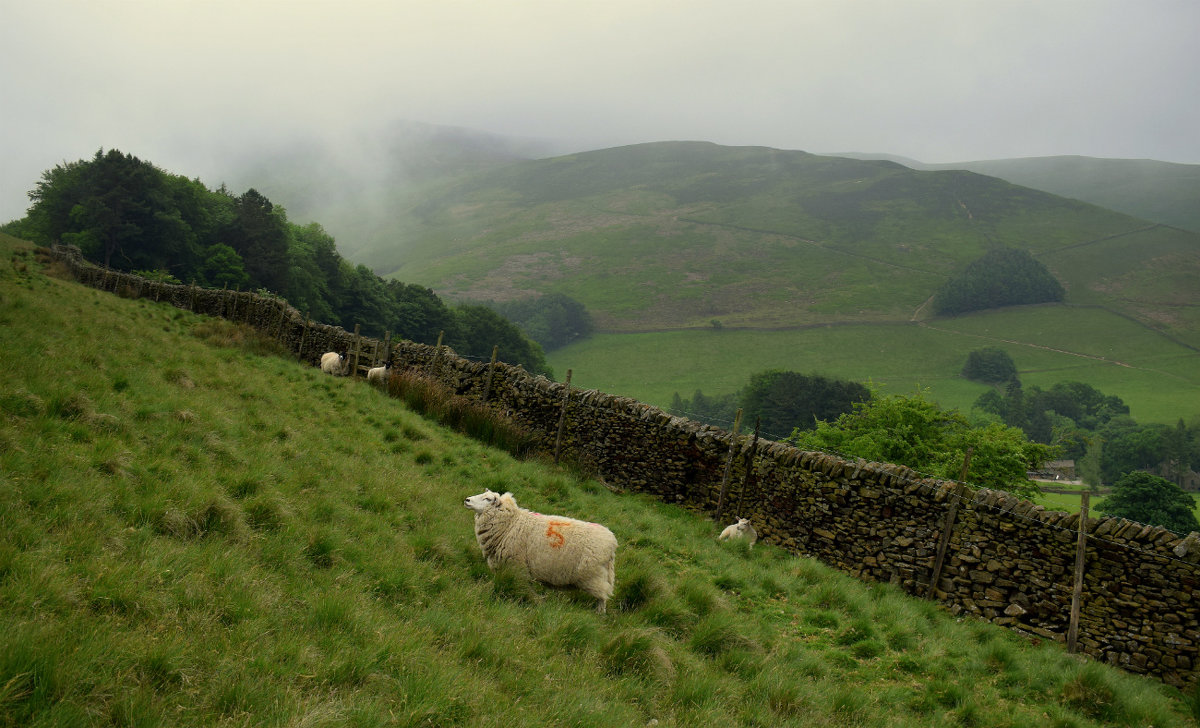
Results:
[379, 375]
[334, 363]
[553, 549]
[742, 529]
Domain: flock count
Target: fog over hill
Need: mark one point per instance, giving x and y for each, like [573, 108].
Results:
[194, 85]
[677, 234]
[1163, 192]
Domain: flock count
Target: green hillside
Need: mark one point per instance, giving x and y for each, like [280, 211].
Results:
[1159, 379]
[677, 235]
[195, 530]
[1158, 191]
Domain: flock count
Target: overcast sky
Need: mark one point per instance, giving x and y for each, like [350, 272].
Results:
[186, 83]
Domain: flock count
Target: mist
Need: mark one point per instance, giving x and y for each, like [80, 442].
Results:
[210, 89]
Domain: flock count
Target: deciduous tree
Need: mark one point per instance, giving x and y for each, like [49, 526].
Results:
[1145, 498]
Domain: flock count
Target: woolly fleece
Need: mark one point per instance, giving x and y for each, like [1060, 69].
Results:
[557, 550]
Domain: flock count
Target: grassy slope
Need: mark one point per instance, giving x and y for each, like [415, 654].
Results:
[1149, 189]
[1159, 379]
[195, 532]
[673, 235]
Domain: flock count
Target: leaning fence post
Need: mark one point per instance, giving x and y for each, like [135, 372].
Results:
[357, 345]
[962, 476]
[956, 496]
[737, 423]
[1080, 558]
[562, 418]
[487, 385]
[750, 478]
[304, 337]
[437, 354]
[282, 316]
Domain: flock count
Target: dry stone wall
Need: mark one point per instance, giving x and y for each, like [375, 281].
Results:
[1006, 560]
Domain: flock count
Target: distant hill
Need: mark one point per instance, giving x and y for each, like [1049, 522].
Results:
[351, 183]
[1158, 191]
[682, 234]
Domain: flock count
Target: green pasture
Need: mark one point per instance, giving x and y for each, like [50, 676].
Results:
[1157, 378]
[197, 530]
[1070, 501]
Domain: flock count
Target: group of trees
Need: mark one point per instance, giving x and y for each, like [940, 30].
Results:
[783, 400]
[912, 431]
[553, 320]
[1109, 447]
[1146, 498]
[822, 413]
[1001, 277]
[1094, 429]
[991, 365]
[127, 214]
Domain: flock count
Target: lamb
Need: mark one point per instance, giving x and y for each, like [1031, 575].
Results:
[556, 550]
[742, 529]
[334, 363]
[379, 375]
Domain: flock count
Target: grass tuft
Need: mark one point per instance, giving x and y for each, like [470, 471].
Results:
[639, 652]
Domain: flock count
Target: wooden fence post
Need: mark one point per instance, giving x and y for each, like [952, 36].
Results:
[437, 354]
[750, 478]
[956, 496]
[733, 440]
[562, 418]
[962, 476]
[487, 385]
[1080, 560]
[357, 346]
[303, 337]
[192, 292]
[387, 345]
[283, 316]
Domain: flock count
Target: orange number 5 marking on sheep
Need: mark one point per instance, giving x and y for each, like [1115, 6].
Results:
[552, 533]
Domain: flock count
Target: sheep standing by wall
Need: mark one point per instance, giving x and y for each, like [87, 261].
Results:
[334, 363]
[556, 550]
[379, 375]
[742, 529]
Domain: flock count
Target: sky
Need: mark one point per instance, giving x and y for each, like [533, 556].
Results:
[190, 85]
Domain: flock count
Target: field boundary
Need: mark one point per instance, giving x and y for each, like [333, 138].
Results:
[977, 551]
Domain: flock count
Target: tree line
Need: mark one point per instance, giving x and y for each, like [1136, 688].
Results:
[1001, 277]
[1093, 428]
[815, 412]
[127, 214]
[1144, 463]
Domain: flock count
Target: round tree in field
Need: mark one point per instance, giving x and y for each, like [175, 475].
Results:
[1145, 498]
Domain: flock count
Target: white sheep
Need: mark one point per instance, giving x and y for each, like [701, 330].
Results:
[556, 550]
[334, 363]
[379, 375]
[742, 529]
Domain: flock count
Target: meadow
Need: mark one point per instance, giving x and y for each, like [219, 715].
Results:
[1157, 378]
[197, 530]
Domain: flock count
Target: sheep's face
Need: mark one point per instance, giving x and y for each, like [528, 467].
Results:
[483, 502]
[743, 524]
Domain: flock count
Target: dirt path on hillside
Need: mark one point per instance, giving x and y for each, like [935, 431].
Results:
[1026, 343]
[1067, 352]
